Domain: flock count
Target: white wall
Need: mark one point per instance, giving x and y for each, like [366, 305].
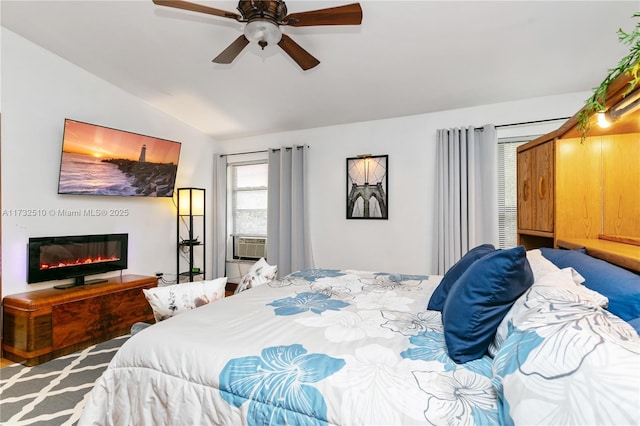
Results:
[404, 242]
[40, 90]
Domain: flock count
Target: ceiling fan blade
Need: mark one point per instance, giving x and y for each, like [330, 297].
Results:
[350, 14]
[297, 53]
[230, 53]
[198, 8]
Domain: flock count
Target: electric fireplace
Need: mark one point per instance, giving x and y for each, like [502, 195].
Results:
[58, 258]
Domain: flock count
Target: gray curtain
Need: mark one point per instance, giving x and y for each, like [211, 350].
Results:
[467, 193]
[288, 240]
[219, 216]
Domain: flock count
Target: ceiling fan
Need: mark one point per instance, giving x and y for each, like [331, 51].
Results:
[264, 19]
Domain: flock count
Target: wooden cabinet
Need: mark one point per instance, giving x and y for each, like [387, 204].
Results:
[44, 324]
[536, 188]
[583, 190]
[579, 188]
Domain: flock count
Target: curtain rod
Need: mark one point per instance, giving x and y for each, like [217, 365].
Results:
[248, 152]
[532, 122]
[263, 150]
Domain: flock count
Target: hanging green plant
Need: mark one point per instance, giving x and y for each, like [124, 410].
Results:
[630, 64]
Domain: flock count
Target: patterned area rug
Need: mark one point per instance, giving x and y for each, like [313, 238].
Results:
[53, 393]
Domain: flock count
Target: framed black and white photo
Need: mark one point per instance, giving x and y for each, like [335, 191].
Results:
[367, 184]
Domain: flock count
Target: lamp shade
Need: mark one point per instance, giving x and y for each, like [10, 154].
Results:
[262, 32]
[190, 201]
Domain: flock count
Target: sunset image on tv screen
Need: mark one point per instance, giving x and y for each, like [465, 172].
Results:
[99, 160]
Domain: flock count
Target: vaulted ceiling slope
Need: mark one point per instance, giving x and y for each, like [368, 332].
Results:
[407, 57]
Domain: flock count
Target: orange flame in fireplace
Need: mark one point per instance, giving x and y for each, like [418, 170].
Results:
[77, 262]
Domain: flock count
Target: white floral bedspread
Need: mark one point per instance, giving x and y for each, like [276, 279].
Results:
[564, 360]
[317, 347]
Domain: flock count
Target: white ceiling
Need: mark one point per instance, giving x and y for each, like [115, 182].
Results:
[407, 57]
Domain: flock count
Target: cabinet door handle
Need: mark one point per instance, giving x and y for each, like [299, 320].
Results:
[525, 190]
[541, 188]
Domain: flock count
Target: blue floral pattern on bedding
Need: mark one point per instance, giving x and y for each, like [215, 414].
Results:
[352, 307]
[277, 385]
[430, 347]
[463, 393]
[303, 302]
[314, 274]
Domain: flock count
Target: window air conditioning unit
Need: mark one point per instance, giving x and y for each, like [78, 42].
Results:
[249, 248]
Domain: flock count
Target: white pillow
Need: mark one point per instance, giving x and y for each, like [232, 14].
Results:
[600, 299]
[172, 300]
[563, 284]
[540, 266]
[261, 272]
[570, 280]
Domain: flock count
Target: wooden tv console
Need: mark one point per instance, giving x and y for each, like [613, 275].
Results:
[44, 324]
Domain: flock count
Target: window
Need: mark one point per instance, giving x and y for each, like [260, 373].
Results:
[249, 198]
[247, 201]
[507, 192]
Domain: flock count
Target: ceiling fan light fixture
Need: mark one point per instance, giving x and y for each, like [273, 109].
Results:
[262, 32]
[263, 20]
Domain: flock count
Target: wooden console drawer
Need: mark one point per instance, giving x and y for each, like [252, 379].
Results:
[44, 324]
[28, 331]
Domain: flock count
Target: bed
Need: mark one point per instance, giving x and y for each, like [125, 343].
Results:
[345, 347]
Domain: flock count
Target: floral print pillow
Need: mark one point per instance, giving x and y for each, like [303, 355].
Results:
[260, 273]
[172, 300]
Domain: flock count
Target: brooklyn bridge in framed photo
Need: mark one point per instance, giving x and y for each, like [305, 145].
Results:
[367, 184]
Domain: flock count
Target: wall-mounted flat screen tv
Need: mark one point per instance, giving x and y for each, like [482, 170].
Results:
[98, 160]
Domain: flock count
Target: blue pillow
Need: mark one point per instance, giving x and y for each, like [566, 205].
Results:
[436, 303]
[480, 299]
[620, 286]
